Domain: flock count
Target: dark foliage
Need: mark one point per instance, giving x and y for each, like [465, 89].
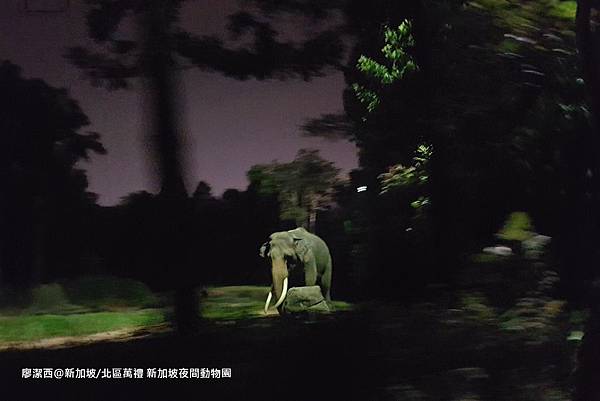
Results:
[44, 203]
[221, 238]
[512, 64]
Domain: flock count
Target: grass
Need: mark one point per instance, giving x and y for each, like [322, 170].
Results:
[243, 302]
[37, 327]
[221, 303]
[235, 302]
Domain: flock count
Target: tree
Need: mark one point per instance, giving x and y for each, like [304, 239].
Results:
[44, 196]
[203, 192]
[303, 186]
[504, 61]
[155, 55]
[588, 42]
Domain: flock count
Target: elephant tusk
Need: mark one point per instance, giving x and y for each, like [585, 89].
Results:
[284, 293]
[268, 301]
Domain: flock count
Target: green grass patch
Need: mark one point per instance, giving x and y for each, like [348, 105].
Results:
[37, 327]
[341, 306]
[36, 323]
[236, 302]
[243, 302]
[487, 258]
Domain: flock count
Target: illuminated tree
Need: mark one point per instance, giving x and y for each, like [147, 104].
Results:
[303, 186]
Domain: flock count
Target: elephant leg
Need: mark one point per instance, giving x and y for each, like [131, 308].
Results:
[310, 274]
[326, 284]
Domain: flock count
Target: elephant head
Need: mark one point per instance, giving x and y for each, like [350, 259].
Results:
[284, 251]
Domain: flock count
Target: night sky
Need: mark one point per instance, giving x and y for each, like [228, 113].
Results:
[228, 125]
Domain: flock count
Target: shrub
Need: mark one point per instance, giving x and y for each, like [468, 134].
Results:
[50, 298]
[518, 227]
[103, 291]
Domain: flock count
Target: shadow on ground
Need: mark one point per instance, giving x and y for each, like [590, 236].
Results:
[318, 358]
[371, 352]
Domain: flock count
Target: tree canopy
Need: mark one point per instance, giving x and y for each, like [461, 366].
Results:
[302, 186]
[44, 192]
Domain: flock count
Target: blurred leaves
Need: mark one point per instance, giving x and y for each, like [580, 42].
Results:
[302, 186]
[254, 50]
[518, 227]
[416, 174]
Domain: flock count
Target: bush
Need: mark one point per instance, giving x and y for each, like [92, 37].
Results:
[50, 298]
[103, 291]
[476, 307]
[518, 227]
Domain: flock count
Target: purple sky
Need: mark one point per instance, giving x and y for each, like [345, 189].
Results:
[228, 125]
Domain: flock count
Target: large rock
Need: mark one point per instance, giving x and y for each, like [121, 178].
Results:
[305, 299]
[536, 246]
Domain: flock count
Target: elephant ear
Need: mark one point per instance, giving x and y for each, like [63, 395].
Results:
[302, 248]
[264, 249]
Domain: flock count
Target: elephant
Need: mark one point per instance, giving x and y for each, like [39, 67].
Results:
[295, 249]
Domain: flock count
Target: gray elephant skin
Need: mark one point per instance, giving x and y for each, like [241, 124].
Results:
[301, 252]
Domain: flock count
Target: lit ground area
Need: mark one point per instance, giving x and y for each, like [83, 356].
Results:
[67, 324]
[377, 351]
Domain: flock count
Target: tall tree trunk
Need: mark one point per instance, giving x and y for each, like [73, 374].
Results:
[588, 43]
[156, 23]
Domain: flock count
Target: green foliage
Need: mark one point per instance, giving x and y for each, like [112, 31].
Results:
[366, 96]
[397, 43]
[476, 307]
[416, 174]
[302, 186]
[535, 319]
[511, 13]
[518, 227]
[565, 9]
[292, 212]
[50, 298]
[486, 258]
[106, 291]
[420, 203]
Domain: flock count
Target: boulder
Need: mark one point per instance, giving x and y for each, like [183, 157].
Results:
[305, 299]
[498, 250]
[536, 246]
